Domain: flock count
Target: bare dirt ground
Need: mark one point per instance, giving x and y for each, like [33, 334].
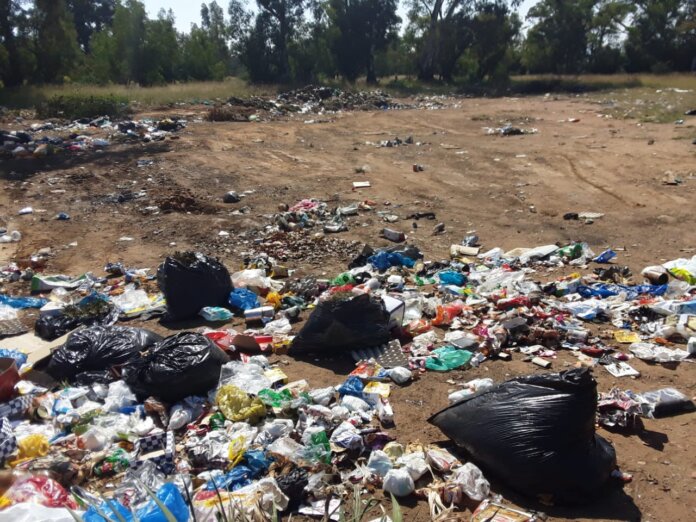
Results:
[471, 181]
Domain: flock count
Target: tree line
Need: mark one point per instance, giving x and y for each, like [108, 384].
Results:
[299, 41]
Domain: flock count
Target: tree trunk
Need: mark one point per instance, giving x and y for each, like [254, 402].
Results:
[284, 65]
[371, 75]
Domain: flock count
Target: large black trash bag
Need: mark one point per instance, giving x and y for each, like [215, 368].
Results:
[98, 348]
[184, 364]
[191, 281]
[340, 325]
[536, 433]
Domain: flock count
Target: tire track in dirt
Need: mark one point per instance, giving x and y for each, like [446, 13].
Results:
[576, 173]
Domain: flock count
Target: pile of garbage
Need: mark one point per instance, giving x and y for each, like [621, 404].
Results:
[207, 421]
[45, 139]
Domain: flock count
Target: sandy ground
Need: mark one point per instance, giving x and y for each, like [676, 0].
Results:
[513, 191]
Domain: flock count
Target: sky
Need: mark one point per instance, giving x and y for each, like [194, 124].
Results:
[188, 12]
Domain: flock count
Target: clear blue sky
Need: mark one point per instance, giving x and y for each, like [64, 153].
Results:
[189, 11]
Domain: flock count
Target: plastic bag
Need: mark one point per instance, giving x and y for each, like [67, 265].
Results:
[665, 402]
[91, 311]
[398, 482]
[168, 495]
[415, 464]
[237, 406]
[471, 387]
[215, 314]
[656, 353]
[40, 490]
[255, 277]
[98, 348]
[383, 260]
[379, 463]
[471, 482]
[191, 281]
[247, 376]
[21, 303]
[399, 374]
[448, 358]
[19, 357]
[179, 366]
[536, 433]
[352, 386]
[343, 325]
[452, 278]
[241, 299]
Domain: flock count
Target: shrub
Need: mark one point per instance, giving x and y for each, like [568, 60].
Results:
[74, 106]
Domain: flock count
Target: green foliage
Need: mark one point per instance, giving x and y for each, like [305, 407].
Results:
[299, 41]
[362, 27]
[76, 106]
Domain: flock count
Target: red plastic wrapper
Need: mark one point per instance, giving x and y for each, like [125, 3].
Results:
[40, 490]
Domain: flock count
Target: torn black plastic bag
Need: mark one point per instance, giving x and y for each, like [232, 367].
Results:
[536, 433]
[341, 325]
[92, 310]
[98, 348]
[191, 281]
[184, 364]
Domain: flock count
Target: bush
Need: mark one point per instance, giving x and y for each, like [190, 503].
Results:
[76, 106]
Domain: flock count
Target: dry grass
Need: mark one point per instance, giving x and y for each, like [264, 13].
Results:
[193, 92]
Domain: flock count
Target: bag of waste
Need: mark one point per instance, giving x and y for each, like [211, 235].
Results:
[398, 482]
[536, 433]
[665, 402]
[341, 325]
[98, 348]
[90, 311]
[184, 364]
[191, 281]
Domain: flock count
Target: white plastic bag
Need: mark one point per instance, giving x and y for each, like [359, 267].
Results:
[398, 482]
[472, 482]
[379, 463]
[414, 463]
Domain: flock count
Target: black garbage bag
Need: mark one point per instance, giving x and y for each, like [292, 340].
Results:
[340, 325]
[98, 348]
[184, 364]
[191, 281]
[536, 433]
[90, 312]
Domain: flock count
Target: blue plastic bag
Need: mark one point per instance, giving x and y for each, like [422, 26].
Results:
[605, 256]
[603, 290]
[19, 357]
[243, 299]
[383, 260]
[235, 479]
[168, 494]
[257, 462]
[22, 302]
[109, 508]
[452, 278]
[353, 386]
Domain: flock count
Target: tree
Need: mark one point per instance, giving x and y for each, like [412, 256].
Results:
[56, 40]
[446, 29]
[18, 59]
[213, 23]
[90, 16]
[277, 22]
[662, 36]
[558, 40]
[363, 27]
[161, 49]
